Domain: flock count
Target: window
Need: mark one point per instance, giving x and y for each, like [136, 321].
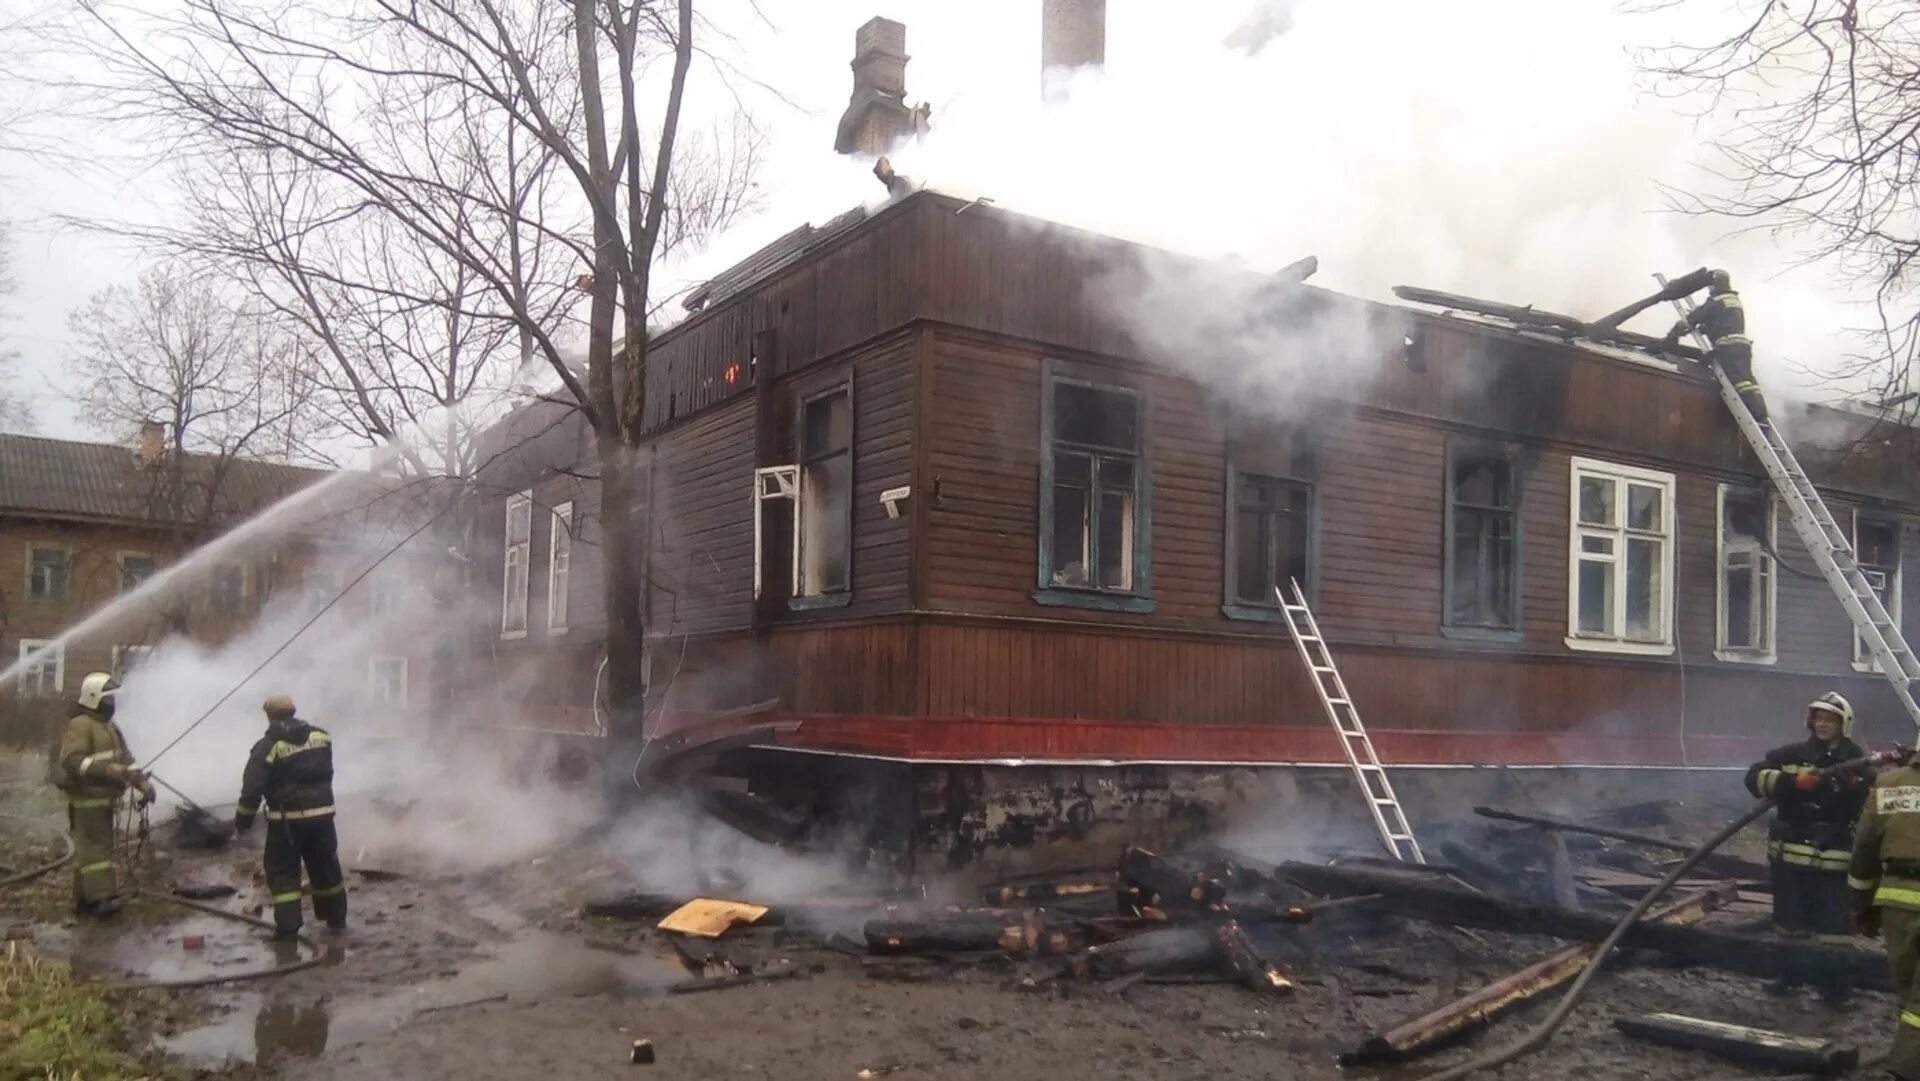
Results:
[321, 587]
[826, 493]
[1269, 541]
[128, 658]
[1620, 568]
[49, 568]
[1745, 593]
[1482, 545]
[1876, 544]
[227, 591]
[43, 668]
[559, 564]
[776, 548]
[135, 568]
[513, 596]
[383, 593]
[387, 681]
[1092, 538]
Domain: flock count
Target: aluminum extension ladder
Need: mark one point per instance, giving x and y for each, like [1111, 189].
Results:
[1388, 817]
[1830, 546]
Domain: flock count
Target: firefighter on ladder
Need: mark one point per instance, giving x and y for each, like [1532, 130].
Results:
[94, 769]
[1724, 322]
[1884, 879]
[291, 770]
[1810, 843]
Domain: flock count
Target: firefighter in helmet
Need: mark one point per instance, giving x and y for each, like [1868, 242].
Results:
[1722, 319]
[291, 771]
[94, 769]
[1810, 844]
[1885, 882]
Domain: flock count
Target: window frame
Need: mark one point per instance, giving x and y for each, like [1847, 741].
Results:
[559, 565]
[1765, 549]
[27, 647]
[66, 580]
[120, 570]
[239, 608]
[802, 601]
[1621, 475]
[1862, 661]
[1139, 598]
[373, 680]
[1231, 605]
[515, 502]
[1514, 454]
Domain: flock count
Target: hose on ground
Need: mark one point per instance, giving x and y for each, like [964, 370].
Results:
[1537, 1038]
[47, 868]
[315, 954]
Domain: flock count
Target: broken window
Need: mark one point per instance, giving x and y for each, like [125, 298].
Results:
[519, 540]
[1095, 488]
[776, 548]
[227, 589]
[1622, 552]
[559, 567]
[826, 493]
[1876, 544]
[1483, 546]
[135, 568]
[1272, 528]
[387, 681]
[1746, 592]
[49, 571]
[43, 668]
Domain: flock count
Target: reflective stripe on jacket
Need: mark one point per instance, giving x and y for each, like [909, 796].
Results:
[291, 771]
[1885, 869]
[88, 745]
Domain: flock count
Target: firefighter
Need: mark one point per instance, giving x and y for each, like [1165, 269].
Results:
[291, 769]
[1884, 878]
[1810, 843]
[94, 768]
[1722, 319]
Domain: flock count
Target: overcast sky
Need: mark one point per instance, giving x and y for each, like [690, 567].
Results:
[1500, 148]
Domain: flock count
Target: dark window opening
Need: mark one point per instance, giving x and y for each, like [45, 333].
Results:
[1272, 529]
[826, 494]
[1095, 490]
[1483, 542]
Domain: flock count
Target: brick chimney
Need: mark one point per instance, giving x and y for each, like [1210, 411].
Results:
[877, 115]
[1073, 34]
[153, 443]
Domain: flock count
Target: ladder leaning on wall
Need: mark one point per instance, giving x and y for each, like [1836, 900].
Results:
[1830, 546]
[1382, 804]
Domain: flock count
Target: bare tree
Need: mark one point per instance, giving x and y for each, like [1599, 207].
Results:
[596, 85]
[1826, 147]
[16, 412]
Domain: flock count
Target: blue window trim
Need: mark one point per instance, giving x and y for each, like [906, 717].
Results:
[1456, 446]
[1230, 605]
[1137, 600]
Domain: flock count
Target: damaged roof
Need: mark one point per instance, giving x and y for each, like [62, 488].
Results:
[770, 260]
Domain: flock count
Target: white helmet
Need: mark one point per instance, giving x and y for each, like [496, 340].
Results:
[1833, 703]
[97, 688]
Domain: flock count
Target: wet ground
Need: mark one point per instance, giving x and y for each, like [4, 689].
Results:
[492, 975]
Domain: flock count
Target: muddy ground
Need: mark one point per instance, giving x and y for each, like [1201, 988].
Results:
[493, 974]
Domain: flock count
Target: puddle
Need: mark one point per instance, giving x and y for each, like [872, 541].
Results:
[124, 951]
[275, 1025]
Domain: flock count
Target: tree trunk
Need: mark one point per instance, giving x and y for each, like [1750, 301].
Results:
[623, 538]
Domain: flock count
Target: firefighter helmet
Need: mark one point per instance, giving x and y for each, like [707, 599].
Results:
[1832, 702]
[97, 688]
[278, 708]
[1719, 281]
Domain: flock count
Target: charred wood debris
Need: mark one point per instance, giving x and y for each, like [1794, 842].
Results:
[1356, 925]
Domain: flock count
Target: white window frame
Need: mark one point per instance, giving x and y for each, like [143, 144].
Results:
[141, 655]
[770, 483]
[1764, 565]
[28, 646]
[515, 555]
[1621, 475]
[381, 589]
[120, 567]
[66, 585]
[559, 567]
[320, 588]
[1862, 662]
[376, 681]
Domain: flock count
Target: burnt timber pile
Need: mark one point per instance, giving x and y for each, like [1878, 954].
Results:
[1454, 940]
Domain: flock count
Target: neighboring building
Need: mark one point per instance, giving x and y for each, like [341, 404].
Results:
[1014, 571]
[82, 524]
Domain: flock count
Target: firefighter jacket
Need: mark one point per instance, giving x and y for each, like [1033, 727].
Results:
[1812, 828]
[1722, 319]
[1885, 869]
[90, 744]
[291, 768]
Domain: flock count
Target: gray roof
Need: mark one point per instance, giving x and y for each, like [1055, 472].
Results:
[770, 260]
[67, 479]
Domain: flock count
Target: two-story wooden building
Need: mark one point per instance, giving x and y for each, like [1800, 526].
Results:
[915, 482]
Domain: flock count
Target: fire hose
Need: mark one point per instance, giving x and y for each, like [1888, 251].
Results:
[1538, 1038]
